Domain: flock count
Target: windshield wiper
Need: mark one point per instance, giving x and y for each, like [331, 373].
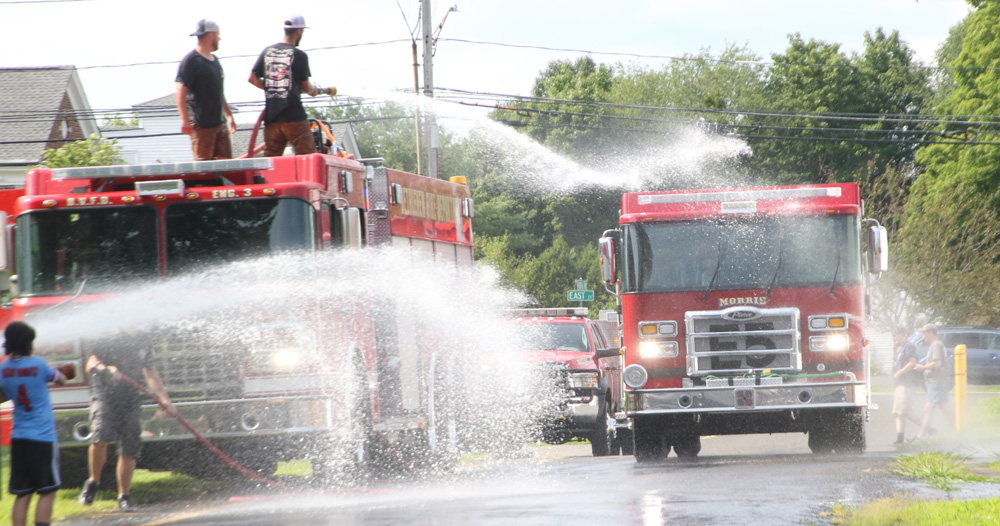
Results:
[718, 265]
[781, 247]
[833, 282]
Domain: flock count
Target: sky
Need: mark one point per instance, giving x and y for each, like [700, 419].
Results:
[92, 34]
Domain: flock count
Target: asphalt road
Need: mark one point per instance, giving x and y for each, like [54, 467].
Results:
[750, 479]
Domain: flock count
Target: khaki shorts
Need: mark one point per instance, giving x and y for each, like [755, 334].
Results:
[902, 400]
[117, 422]
[277, 135]
[211, 143]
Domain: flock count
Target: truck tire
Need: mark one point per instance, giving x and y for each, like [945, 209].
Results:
[623, 437]
[648, 439]
[687, 446]
[601, 436]
[842, 432]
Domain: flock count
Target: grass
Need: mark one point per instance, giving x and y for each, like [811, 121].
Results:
[147, 486]
[944, 471]
[941, 470]
[902, 511]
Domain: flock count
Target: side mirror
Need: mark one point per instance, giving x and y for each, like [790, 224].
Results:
[878, 250]
[607, 248]
[609, 353]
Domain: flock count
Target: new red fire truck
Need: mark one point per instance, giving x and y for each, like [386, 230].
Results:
[82, 234]
[743, 312]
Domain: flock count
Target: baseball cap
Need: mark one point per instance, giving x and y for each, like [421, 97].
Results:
[205, 26]
[296, 22]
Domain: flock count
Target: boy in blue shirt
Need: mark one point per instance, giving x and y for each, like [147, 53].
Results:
[34, 451]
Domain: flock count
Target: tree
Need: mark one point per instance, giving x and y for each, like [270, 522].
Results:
[93, 151]
[949, 239]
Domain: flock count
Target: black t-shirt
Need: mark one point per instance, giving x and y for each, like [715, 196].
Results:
[910, 378]
[204, 79]
[130, 355]
[283, 68]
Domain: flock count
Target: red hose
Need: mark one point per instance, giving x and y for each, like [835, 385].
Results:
[251, 151]
[211, 447]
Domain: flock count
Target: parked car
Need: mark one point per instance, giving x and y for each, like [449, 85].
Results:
[982, 350]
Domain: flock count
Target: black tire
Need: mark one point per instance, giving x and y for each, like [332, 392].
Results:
[601, 437]
[687, 446]
[842, 433]
[624, 439]
[648, 439]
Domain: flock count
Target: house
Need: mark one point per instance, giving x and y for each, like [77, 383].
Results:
[40, 107]
[154, 134]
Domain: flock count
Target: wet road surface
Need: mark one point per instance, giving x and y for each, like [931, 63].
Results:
[750, 479]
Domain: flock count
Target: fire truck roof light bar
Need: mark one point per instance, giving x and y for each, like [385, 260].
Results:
[740, 195]
[554, 312]
[161, 169]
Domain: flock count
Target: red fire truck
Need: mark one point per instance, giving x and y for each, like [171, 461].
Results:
[743, 312]
[84, 234]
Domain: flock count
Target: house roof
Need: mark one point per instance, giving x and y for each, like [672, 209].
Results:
[30, 99]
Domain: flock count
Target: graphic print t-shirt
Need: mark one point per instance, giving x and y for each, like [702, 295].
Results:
[283, 68]
[25, 381]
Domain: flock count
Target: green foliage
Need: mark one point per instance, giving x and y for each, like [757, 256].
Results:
[908, 511]
[953, 214]
[815, 77]
[940, 470]
[94, 151]
[118, 120]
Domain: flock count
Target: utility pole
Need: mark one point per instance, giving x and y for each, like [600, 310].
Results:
[430, 119]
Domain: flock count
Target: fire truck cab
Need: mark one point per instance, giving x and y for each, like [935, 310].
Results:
[743, 312]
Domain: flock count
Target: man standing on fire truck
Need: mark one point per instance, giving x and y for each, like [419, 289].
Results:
[205, 114]
[282, 71]
[115, 409]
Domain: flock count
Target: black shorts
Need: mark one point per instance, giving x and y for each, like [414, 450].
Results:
[119, 423]
[34, 467]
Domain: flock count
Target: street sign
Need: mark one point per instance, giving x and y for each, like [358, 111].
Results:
[579, 295]
[581, 284]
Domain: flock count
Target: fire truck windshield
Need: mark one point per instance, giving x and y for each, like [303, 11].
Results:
[58, 251]
[202, 233]
[553, 337]
[742, 253]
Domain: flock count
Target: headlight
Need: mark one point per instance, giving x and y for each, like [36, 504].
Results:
[658, 350]
[829, 343]
[828, 322]
[583, 380]
[286, 359]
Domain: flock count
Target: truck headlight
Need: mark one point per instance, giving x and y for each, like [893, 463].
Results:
[829, 343]
[286, 359]
[655, 349]
[583, 380]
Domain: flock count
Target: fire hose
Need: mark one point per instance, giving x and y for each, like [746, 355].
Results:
[204, 441]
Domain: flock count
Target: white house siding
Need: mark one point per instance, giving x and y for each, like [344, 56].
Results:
[157, 138]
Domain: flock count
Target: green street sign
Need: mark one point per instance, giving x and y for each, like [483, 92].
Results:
[579, 295]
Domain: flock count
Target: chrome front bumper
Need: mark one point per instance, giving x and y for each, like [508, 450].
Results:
[798, 396]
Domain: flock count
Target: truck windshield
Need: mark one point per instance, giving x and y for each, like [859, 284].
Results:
[742, 253]
[552, 337]
[59, 251]
[210, 233]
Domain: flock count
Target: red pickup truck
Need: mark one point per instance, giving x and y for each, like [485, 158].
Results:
[581, 355]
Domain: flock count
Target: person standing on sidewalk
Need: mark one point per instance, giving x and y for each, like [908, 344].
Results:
[907, 380]
[936, 380]
[282, 71]
[201, 100]
[34, 448]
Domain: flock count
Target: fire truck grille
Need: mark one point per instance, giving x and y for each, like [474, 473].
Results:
[738, 339]
[191, 371]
